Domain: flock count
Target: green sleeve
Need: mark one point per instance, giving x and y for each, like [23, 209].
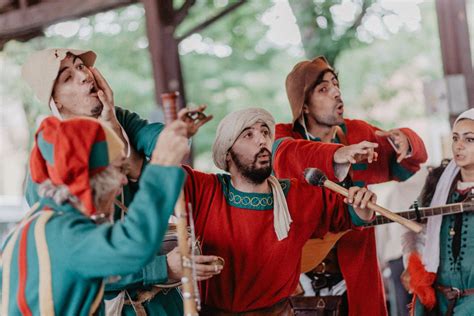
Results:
[31, 192]
[356, 220]
[142, 135]
[125, 247]
[155, 272]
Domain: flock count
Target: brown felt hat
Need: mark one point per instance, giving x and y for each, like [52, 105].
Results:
[300, 79]
[41, 69]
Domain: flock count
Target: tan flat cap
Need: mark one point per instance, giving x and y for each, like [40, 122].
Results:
[300, 79]
[41, 69]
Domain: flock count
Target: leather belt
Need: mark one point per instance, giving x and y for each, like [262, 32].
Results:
[452, 294]
[141, 297]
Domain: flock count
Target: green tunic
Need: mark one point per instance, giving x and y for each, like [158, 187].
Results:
[142, 137]
[456, 267]
[457, 271]
[56, 261]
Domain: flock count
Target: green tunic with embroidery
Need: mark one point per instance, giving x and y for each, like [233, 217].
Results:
[142, 137]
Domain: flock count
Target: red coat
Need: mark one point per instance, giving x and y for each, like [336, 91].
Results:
[356, 250]
[259, 270]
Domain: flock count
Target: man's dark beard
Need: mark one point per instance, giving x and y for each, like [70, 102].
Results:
[251, 172]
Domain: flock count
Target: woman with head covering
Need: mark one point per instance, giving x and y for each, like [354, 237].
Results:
[445, 276]
[56, 260]
[257, 223]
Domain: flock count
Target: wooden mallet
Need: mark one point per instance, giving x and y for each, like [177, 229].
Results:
[316, 177]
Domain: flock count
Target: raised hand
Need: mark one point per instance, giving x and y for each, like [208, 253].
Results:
[194, 119]
[106, 97]
[399, 141]
[356, 153]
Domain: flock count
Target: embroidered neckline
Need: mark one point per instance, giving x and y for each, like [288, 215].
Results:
[246, 200]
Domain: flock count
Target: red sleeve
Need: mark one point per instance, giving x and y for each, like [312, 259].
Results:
[334, 216]
[418, 151]
[199, 189]
[292, 156]
[284, 130]
[320, 208]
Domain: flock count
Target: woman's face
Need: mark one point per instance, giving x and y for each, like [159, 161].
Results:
[463, 143]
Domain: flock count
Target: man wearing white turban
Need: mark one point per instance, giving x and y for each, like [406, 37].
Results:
[257, 223]
[444, 275]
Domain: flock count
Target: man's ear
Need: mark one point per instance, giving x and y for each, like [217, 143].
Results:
[305, 109]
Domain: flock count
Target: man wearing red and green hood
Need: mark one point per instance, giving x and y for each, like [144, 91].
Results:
[56, 260]
[318, 116]
[66, 80]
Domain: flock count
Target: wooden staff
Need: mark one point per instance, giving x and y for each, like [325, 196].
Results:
[187, 281]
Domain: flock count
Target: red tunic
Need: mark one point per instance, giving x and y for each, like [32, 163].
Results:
[356, 250]
[259, 270]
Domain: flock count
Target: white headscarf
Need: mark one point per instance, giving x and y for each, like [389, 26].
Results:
[228, 131]
[431, 250]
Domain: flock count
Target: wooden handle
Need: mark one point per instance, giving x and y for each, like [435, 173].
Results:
[377, 208]
[188, 290]
[170, 106]
[170, 110]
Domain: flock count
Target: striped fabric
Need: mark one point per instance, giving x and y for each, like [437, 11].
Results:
[36, 222]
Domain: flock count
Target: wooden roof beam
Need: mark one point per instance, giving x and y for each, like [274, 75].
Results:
[19, 22]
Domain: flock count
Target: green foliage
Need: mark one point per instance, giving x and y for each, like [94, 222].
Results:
[384, 80]
[232, 64]
[321, 34]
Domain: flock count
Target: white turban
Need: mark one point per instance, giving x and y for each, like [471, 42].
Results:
[228, 131]
[232, 126]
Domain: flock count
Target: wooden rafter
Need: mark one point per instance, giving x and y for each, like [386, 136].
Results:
[19, 22]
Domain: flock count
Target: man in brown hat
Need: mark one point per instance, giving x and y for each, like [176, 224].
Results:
[67, 82]
[318, 108]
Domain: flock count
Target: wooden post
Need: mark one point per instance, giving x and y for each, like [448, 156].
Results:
[164, 48]
[454, 38]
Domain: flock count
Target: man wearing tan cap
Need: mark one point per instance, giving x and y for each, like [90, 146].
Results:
[66, 81]
[317, 107]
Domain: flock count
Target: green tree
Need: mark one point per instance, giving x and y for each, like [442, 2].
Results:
[330, 27]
